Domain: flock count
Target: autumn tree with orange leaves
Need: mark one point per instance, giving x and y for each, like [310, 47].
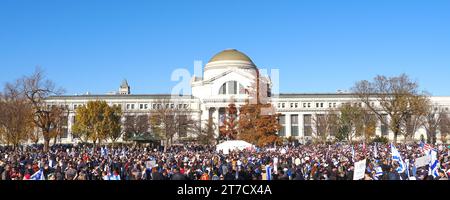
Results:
[228, 131]
[257, 127]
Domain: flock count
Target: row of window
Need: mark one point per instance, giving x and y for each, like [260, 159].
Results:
[143, 106]
[306, 105]
[307, 125]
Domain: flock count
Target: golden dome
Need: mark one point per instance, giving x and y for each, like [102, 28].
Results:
[230, 54]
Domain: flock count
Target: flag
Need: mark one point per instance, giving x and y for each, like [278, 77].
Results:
[353, 154]
[425, 147]
[378, 171]
[39, 175]
[364, 147]
[375, 150]
[434, 163]
[407, 167]
[396, 157]
[269, 172]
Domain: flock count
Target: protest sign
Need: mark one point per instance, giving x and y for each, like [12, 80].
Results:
[360, 169]
[422, 161]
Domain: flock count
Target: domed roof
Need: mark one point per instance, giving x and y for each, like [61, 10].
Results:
[230, 54]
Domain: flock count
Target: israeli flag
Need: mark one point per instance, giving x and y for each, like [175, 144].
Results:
[434, 163]
[269, 172]
[353, 154]
[39, 175]
[396, 156]
[375, 151]
[378, 171]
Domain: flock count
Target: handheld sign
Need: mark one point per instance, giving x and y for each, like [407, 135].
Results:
[360, 169]
[422, 161]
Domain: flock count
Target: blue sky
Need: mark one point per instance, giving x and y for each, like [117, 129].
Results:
[318, 46]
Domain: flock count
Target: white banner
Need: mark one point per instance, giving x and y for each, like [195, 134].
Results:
[360, 169]
[423, 161]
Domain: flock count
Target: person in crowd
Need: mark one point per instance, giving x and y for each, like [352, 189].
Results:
[200, 162]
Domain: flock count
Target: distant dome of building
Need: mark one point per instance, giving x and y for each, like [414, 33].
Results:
[230, 58]
[229, 55]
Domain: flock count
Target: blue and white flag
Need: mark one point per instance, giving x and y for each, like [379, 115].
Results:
[269, 172]
[378, 171]
[39, 175]
[434, 163]
[396, 157]
[375, 150]
[353, 154]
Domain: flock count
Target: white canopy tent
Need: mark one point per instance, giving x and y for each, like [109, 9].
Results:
[231, 145]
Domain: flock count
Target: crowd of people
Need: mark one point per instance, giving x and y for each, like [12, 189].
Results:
[194, 162]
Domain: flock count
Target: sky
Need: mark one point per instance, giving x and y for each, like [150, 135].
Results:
[318, 46]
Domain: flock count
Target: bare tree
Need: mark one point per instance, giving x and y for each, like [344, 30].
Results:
[170, 119]
[395, 95]
[444, 125]
[434, 118]
[324, 124]
[135, 125]
[36, 89]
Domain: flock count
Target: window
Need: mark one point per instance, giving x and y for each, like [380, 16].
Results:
[282, 121]
[384, 128]
[279, 105]
[321, 105]
[223, 89]
[182, 131]
[292, 105]
[141, 106]
[296, 105]
[185, 106]
[309, 105]
[231, 87]
[304, 105]
[317, 105]
[154, 106]
[128, 106]
[329, 105]
[294, 125]
[333, 127]
[307, 125]
[65, 132]
[334, 105]
[282, 105]
[146, 106]
[132, 106]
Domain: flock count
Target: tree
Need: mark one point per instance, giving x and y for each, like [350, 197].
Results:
[112, 123]
[415, 117]
[36, 88]
[324, 124]
[395, 96]
[16, 120]
[97, 121]
[135, 125]
[257, 127]
[168, 120]
[434, 120]
[350, 123]
[205, 135]
[444, 125]
[228, 131]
